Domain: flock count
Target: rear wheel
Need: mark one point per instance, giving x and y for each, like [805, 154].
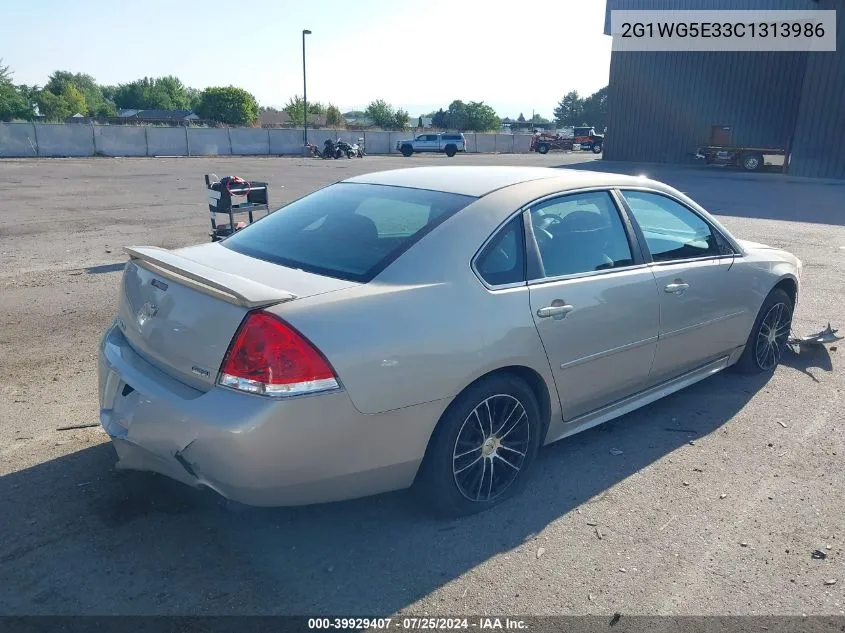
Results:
[407, 150]
[451, 150]
[752, 162]
[543, 148]
[769, 336]
[596, 148]
[483, 447]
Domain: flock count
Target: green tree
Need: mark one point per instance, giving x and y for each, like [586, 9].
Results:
[14, 101]
[521, 118]
[400, 119]
[295, 107]
[5, 73]
[231, 105]
[594, 112]
[333, 116]
[570, 109]
[52, 107]
[160, 93]
[440, 119]
[381, 114]
[91, 93]
[74, 99]
[480, 117]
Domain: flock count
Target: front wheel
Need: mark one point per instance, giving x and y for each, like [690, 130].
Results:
[768, 338]
[407, 150]
[752, 162]
[483, 447]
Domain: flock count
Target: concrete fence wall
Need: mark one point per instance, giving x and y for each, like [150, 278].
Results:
[75, 139]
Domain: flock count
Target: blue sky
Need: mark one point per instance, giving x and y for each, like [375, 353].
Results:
[417, 55]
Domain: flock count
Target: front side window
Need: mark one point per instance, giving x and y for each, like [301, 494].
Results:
[347, 230]
[671, 230]
[580, 233]
[503, 259]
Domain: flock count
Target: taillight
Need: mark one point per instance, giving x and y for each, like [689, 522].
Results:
[270, 358]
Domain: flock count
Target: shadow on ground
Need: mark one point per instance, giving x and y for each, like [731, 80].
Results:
[734, 193]
[81, 538]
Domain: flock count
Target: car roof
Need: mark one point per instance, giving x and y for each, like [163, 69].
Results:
[478, 181]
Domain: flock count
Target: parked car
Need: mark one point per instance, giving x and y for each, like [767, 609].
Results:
[428, 327]
[449, 144]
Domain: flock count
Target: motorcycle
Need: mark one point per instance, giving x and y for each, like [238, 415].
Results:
[358, 148]
[346, 149]
[330, 150]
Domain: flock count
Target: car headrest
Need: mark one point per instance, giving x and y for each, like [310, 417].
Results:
[582, 222]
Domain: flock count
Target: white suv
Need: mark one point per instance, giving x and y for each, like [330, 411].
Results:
[449, 144]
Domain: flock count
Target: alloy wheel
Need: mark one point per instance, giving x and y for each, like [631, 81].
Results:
[490, 448]
[772, 336]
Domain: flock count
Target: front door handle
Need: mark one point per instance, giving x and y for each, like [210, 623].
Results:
[556, 311]
[676, 288]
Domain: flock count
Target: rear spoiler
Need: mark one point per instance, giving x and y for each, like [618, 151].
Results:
[226, 286]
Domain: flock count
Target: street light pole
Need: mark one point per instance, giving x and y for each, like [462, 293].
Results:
[304, 88]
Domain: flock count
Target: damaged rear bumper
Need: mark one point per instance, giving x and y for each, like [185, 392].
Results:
[255, 450]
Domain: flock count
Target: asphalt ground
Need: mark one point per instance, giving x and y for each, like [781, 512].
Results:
[719, 496]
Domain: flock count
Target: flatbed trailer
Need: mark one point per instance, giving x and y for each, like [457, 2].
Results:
[744, 157]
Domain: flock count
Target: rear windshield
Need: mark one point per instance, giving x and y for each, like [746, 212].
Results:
[347, 230]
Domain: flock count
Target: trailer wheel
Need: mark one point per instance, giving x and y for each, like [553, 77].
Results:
[543, 148]
[752, 162]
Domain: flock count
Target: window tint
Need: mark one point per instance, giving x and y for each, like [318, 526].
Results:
[671, 230]
[452, 137]
[580, 233]
[503, 259]
[347, 230]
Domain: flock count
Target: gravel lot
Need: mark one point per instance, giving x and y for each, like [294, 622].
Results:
[714, 507]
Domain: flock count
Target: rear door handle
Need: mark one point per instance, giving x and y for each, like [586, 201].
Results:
[555, 311]
[676, 287]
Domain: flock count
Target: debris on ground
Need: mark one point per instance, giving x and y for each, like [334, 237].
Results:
[73, 427]
[598, 533]
[782, 424]
[592, 523]
[831, 581]
[615, 451]
[686, 483]
[540, 551]
[625, 571]
[723, 495]
[818, 554]
[824, 337]
[692, 442]
[590, 597]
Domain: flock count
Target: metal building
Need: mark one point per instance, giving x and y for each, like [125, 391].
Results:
[661, 105]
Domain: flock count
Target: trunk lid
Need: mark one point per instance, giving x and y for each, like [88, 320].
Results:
[180, 309]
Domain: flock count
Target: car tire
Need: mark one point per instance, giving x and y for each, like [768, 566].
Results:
[407, 150]
[762, 354]
[543, 148]
[499, 465]
[752, 162]
[597, 148]
[451, 150]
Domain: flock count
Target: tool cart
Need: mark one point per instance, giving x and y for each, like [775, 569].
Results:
[233, 196]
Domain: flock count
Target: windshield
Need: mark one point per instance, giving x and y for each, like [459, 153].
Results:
[347, 230]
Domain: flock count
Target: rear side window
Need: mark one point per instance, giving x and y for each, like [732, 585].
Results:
[348, 230]
[452, 137]
[503, 259]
